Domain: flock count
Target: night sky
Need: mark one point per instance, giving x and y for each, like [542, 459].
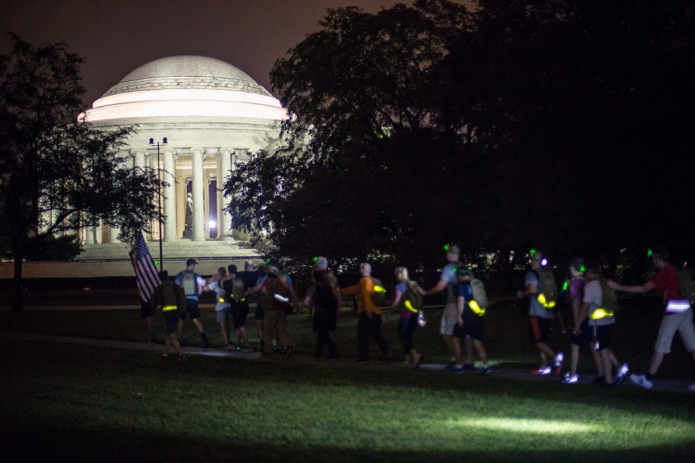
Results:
[116, 36]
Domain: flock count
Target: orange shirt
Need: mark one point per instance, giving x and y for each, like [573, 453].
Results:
[364, 290]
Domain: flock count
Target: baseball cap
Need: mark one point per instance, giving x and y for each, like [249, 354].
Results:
[190, 262]
[453, 249]
[272, 270]
[321, 263]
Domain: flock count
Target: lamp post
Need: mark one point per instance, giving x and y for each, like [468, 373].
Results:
[159, 199]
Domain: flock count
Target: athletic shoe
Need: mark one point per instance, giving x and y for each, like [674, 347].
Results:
[450, 364]
[228, 347]
[542, 371]
[622, 373]
[486, 371]
[570, 379]
[559, 358]
[246, 349]
[642, 381]
[204, 340]
[468, 367]
[692, 387]
[289, 351]
[455, 370]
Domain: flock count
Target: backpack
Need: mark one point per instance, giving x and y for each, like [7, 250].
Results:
[479, 293]
[189, 284]
[547, 288]
[412, 299]
[379, 294]
[686, 284]
[323, 298]
[238, 289]
[609, 298]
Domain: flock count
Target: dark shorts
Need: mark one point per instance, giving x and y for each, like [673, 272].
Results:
[146, 310]
[260, 313]
[240, 312]
[587, 334]
[538, 329]
[191, 309]
[171, 321]
[472, 327]
[603, 336]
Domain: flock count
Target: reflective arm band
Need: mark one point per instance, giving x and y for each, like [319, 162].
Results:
[168, 308]
[409, 306]
[677, 306]
[600, 313]
[475, 307]
[542, 301]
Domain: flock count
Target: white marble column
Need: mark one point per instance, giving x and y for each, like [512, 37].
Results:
[225, 217]
[169, 194]
[89, 235]
[198, 195]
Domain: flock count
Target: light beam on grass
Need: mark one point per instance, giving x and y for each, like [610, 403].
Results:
[526, 425]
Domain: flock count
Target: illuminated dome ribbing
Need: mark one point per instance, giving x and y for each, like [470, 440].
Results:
[186, 86]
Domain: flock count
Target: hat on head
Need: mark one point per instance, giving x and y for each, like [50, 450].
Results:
[578, 264]
[191, 262]
[453, 249]
[321, 263]
[272, 270]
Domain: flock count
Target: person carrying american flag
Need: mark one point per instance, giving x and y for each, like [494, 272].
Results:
[147, 281]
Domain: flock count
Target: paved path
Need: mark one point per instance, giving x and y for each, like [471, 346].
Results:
[666, 385]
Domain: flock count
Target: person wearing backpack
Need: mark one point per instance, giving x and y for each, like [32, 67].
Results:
[678, 313]
[171, 300]
[369, 315]
[222, 313]
[408, 297]
[321, 298]
[235, 286]
[540, 315]
[582, 333]
[469, 324]
[598, 309]
[192, 285]
[449, 282]
[277, 295]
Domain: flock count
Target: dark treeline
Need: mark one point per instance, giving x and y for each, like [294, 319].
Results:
[562, 125]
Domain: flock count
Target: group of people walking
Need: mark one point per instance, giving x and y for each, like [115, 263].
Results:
[591, 296]
[594, 305]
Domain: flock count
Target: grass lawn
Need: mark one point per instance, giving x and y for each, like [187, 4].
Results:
[65, 402]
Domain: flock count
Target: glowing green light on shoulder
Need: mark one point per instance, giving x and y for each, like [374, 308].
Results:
[565, 285]
[649, 252]
[447, 247]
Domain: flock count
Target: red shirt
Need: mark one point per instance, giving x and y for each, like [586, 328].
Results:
[666, 281]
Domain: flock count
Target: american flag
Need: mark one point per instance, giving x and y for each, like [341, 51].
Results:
[145, 272]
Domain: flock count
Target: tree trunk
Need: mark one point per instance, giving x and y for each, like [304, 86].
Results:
[17, 293]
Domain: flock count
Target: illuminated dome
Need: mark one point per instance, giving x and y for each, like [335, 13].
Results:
[186, 86]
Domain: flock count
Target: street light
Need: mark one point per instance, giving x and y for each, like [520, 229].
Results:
[159, 200]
